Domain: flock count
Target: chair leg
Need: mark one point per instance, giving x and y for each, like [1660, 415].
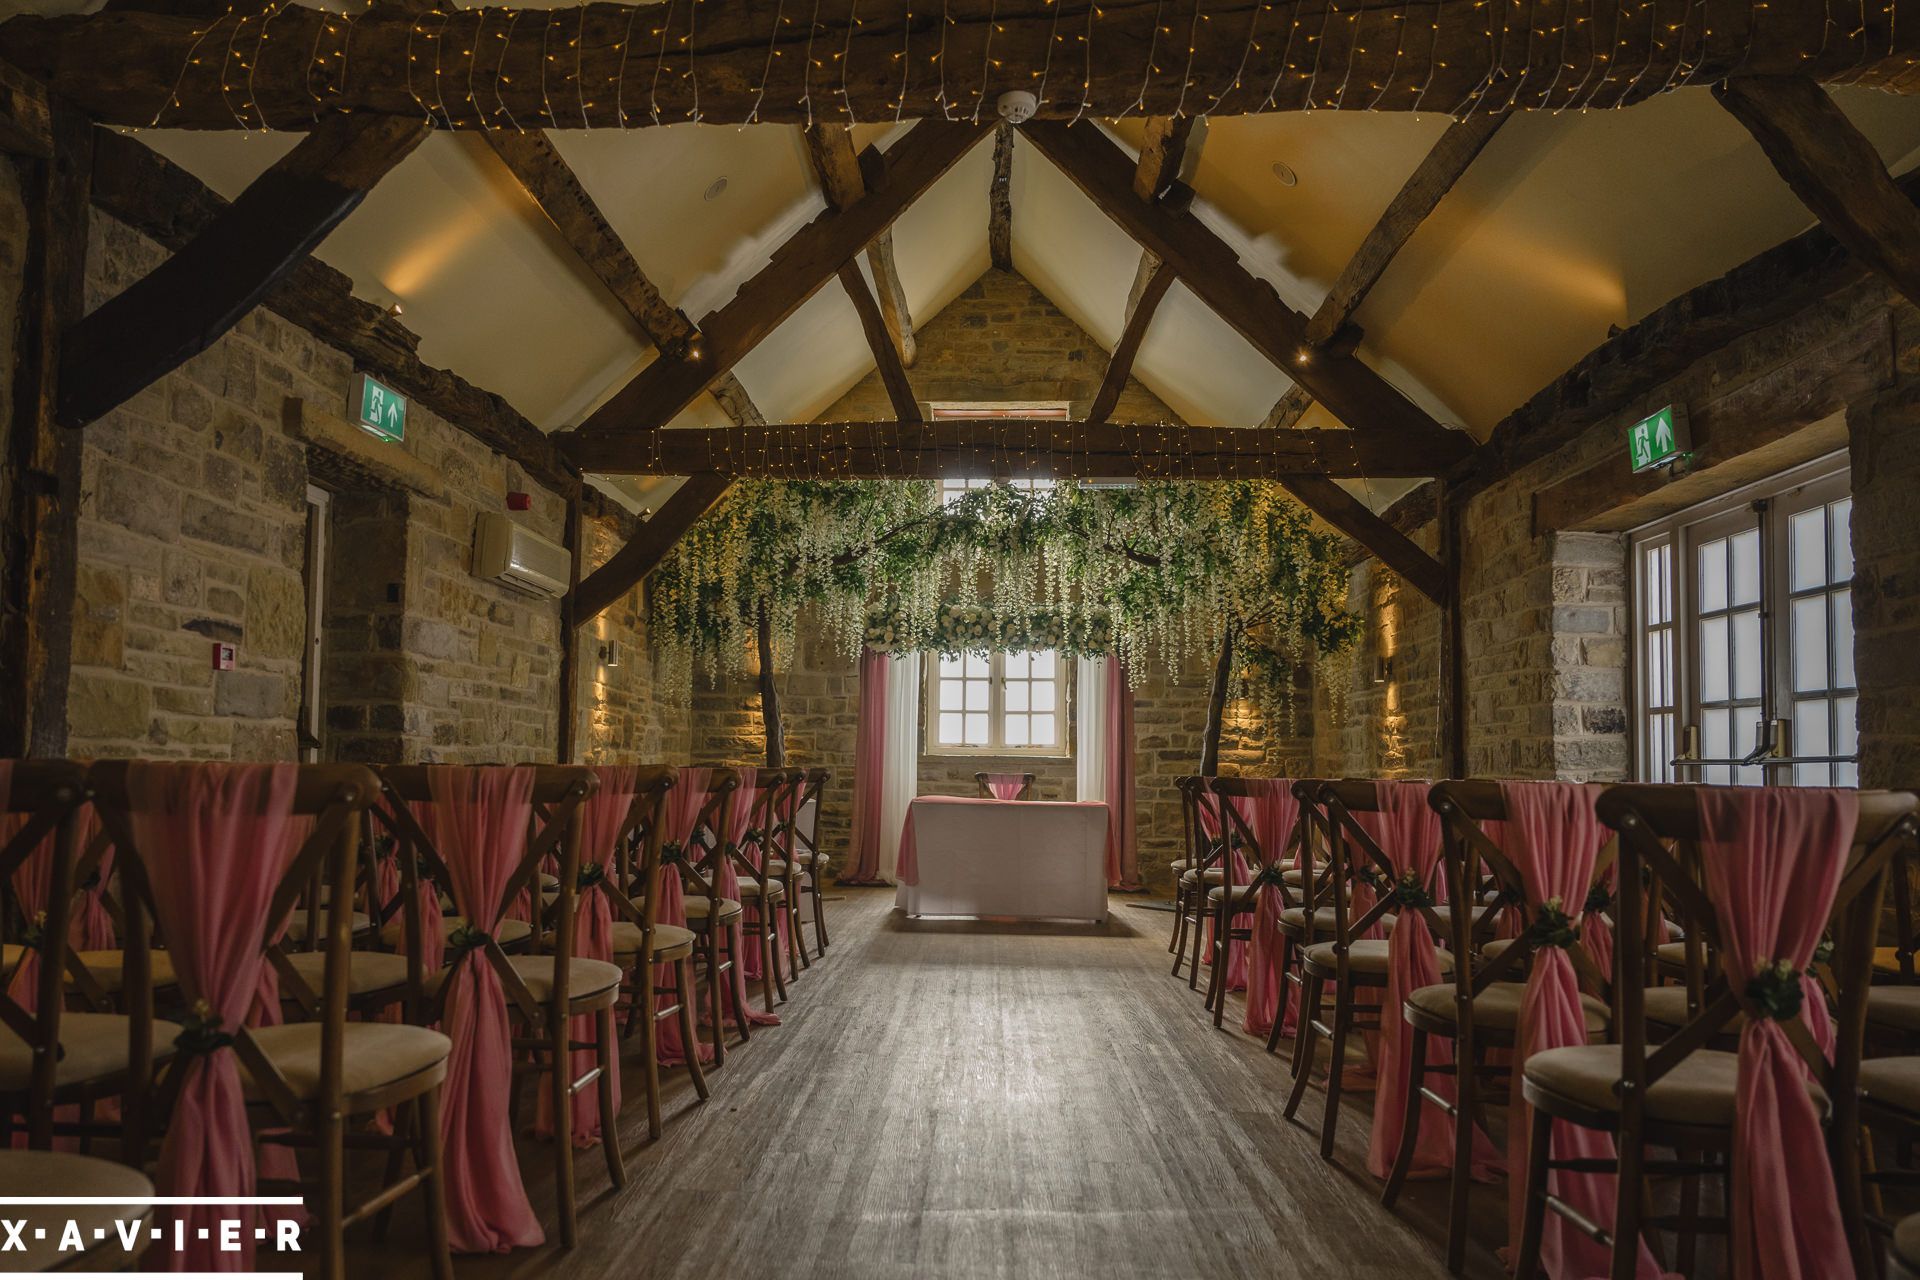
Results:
[764, 937]
[737, 979]
[1628, 1192]
[1410, 1128]
[1286, 993]
[562, 1100]
[1222, 961]
[1179, 925]
[1337, 1065]
[796, 935]
[819, 917]
[433, 1185]
[643, 994]
[1466, 1099]
[329, 1214]
[715, 1020]
[1527, 1261]
[1197, 921]
[608, 1059]
[1304, 1043]
[689, 1036]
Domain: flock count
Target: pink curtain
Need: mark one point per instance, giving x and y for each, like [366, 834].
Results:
[869, 763]
[32, 885]
[1123, 850]
[217, 839]
[1275, 813]
[92, 928]
[433, 934]
[1005, 786]
[480, 824]
[1554, 839]
[678, 819]
[601, 817]
[727, 885]
[1409, 834]
[1773, 859]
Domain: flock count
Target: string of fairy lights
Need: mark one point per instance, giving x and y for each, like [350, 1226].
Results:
[460, 63]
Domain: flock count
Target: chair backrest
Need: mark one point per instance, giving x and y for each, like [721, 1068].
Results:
[1660, 831]
[813, 792]
[636, 859]
[557, 792]
[1020, 783]
[701, 860]
[333, 796]
[1237, 825]
[1362, 881]
[42, 801]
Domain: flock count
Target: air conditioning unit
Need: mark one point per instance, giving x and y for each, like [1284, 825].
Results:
[515, 556]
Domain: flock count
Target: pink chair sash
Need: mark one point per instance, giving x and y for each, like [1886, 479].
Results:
[740, 811]
[1773, 859]
[32, 886]
[92, 927]
[1275, 814]
[480, 826]
[1005, 786]
[601, 817]
[1409, 834]
[1555, 837]
[678, 819]
[869, 764]
[217, 839]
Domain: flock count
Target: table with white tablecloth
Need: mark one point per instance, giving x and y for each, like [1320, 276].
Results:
[1026, 859]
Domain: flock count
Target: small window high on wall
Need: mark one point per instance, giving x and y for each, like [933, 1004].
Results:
[1743, 629]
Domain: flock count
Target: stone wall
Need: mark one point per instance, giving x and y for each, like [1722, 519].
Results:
[193, 530]
[624, 711]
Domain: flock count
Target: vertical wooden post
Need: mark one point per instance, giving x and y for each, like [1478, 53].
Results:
[39, 532]
[571, 639]
[769, 694]
[1217, 704]
[1453, 661]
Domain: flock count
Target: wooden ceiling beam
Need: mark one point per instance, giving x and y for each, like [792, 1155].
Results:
[1834, 170]
[893, 370]
[1207, 266]
[1000, 201]
[830, 147]
[995, 446]
[1120, 363]
[810, 258]
[1354, 518]
[123, 68]
[551, 183]
[1166, 153]
[1417, 198]
[160, 200]
[26, 124]
[628, 567]
[184, 305]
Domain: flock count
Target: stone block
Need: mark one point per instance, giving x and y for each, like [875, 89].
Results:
[253, 695]
[104, 707]
[276, 614]
[130, 498]
[100, 599]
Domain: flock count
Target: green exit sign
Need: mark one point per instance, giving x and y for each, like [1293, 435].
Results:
[1659, 440]
[378, 408]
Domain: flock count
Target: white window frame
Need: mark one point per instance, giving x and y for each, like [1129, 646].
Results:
[1807, 487]
[996, 745]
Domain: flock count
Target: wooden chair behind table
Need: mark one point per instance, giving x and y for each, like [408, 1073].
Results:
[1006, 782]
[1680, 1095]
[1893, 1002]
[314, 1077]
[1193, 853]
[50, 1056]
[1310, 918]
[762, 892]
[1206, 842]
[712, 917]
[811, 860]
[546, 985]
[783, 864]
[1480, 1008]
[1350, 960]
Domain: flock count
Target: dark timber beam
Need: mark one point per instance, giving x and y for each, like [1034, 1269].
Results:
[893, 372]
[625, 568]
[184, 305]
[1000, 446]
[1410, 206]
[164, 202]
[830, 147]
[551, 183]
[1355, 519]
[1120, 363]
[40, 497]
[1166, 153]
[1000, 201]
[1833, 169]
[26, 125]
[732, 65]
[811, 257]
[1204, 263]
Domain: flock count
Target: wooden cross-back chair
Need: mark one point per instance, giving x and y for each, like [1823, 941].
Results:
[1680, 1094]
[1233, 898]
[1309, 919]
[782, 855]
[754, 856]
[1893, 1003]
[546, 986]
[710, 916]
[1480, 1008]
[811, 860]
[309, 1079]
[1199, 871]
[96, 979]
[51, 1055]
[1349, 960]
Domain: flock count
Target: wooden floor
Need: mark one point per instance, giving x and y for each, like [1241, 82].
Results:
[962, 1099]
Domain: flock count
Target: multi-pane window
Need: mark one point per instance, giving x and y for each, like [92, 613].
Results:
[952, 488]
[1744, 637]
[993, 703]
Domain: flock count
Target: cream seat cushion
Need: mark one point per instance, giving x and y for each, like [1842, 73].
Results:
[373, 1054]
[698, 908]
[92, 1046]
[1897, 1007]
[36, 1173]
[1241, 893]
[1296, 918]
[108, 968]
[584, 977]
[1893, 1082]
[750, 889]
[1699, 1091]
[1667, 1007]
[1444, 913]
[1498, 1006]
[297, 927]
[666, 937]
[1368, 955]
[1212, 875]
[367, 971]
[506, 933]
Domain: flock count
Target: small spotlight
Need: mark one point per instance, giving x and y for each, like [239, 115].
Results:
[610, 654]
[1383, 669]
[395, 310]
[1302, 356]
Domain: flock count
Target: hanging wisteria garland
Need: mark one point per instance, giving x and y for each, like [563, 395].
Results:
[1154, 574]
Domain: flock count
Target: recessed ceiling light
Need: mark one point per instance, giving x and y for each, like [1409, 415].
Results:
[716, 188]
[1285, 173]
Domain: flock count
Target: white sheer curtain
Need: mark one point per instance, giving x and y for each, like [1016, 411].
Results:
[900, 770]
[1090, 728]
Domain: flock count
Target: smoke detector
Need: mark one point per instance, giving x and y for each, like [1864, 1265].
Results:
[1017, 106]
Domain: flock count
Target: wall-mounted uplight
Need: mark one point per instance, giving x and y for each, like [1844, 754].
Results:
[610, 654]
[1383, 669]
